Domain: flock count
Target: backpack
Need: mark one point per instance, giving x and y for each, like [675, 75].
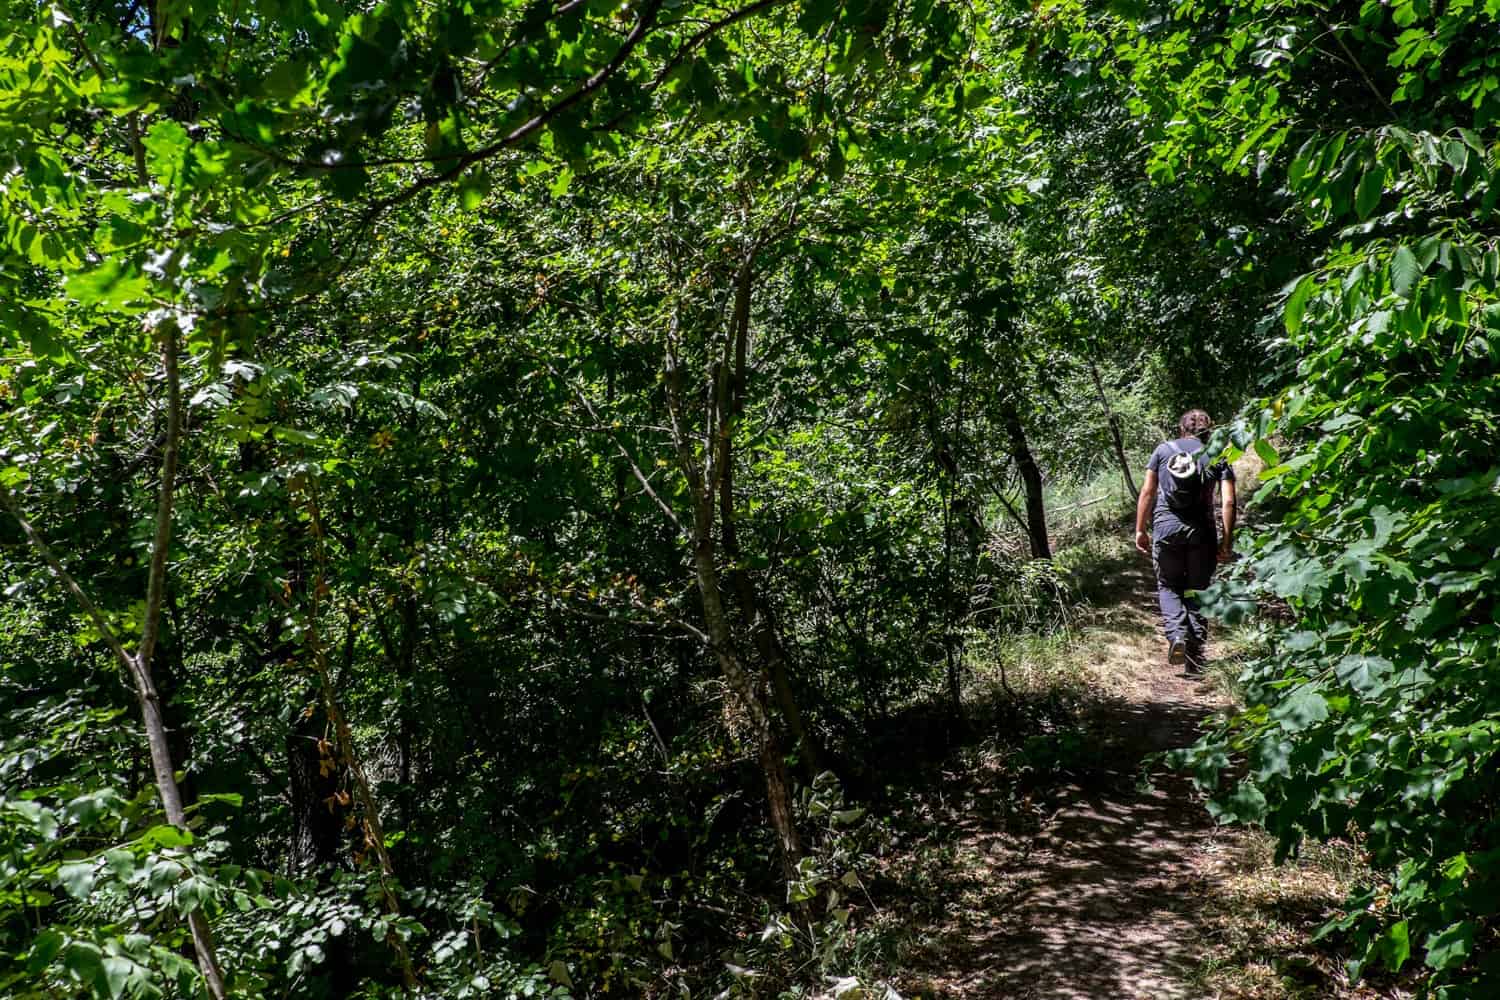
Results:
[1182, 487]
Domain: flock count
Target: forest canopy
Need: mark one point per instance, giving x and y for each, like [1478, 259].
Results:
[493, 488]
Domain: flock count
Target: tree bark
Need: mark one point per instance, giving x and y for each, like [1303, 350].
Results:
[772, 754]
[1114, 431]
[317, 828]
[344, 739]
[702, 482]
[948, 479]
[750, 603]
[1031, 478]
[151, 704]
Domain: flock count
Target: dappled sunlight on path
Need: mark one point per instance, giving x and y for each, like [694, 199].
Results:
[1101, 903]
[1050, 870]
[1108, 900]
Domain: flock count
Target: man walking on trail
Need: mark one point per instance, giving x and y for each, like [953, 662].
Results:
[1177, 499]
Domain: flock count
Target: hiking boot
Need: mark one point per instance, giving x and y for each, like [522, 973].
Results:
[1176, 653]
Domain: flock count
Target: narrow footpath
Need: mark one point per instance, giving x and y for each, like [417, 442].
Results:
[1113, 883]
[1127, 890]
[1101, 903]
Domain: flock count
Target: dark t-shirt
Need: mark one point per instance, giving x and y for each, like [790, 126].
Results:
[1196, 528]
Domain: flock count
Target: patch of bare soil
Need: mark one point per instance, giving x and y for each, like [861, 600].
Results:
[1124, 889]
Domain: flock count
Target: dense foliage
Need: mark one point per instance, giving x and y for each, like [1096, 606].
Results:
[1372, 710]
[490, 486]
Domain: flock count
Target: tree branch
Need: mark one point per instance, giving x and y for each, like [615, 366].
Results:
[156, 575]
[635, 468]
[1358, 67]
[642, 28]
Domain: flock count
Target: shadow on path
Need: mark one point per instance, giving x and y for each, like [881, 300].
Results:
[1107, 905]
[1102, 904]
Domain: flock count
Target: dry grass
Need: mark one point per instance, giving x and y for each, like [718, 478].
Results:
[1259, 921]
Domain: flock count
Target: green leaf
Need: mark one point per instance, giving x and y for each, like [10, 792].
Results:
[1301, 642]
[117, 972]
[76, 878]
[194, 893]
[167, 147]
[1371, 188]
[35, 816]
[121, 863]
[1297, 169]
[1456, 153]
[473, 189]
[1404, 271]
[86, 963]
[1303, 578]
[232, 799]
[1246, 805]
[166, 836]
[44, 948]
[285, 79]
[1365, 674]
[1450, 946]
[1304, 709]
[111, 285]
[1296, 302]
[1394, 946]
[295, 435]
[1273, 757]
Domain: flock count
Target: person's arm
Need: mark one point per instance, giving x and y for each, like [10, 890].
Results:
[1143, 513]
[1226, 542]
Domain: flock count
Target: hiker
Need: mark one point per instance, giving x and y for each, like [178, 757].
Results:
[1177, 499]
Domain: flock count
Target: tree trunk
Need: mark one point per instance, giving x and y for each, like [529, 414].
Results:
[151, 703]
[1114, 430]
[752, 611]
[718, 635]
[772, 755]
[313, 772]
[317, 654]
[169, 670]
[1031, 477]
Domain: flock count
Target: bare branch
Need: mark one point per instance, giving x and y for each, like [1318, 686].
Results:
[635, 467]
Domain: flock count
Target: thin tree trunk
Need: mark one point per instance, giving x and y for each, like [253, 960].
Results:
[169, 671]
[1031, 478]
[374, 830]
[1114, 430]
[751, 609]
[702, 482]
[772, 755]
[949, 479]
[406, 667]
[138, 665]
[151, 705]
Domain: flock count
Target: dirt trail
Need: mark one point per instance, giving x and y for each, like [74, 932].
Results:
[1101, 904]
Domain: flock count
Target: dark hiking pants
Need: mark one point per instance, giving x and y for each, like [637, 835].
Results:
[1181, 568]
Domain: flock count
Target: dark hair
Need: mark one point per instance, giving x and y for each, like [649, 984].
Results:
[1195, 423]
